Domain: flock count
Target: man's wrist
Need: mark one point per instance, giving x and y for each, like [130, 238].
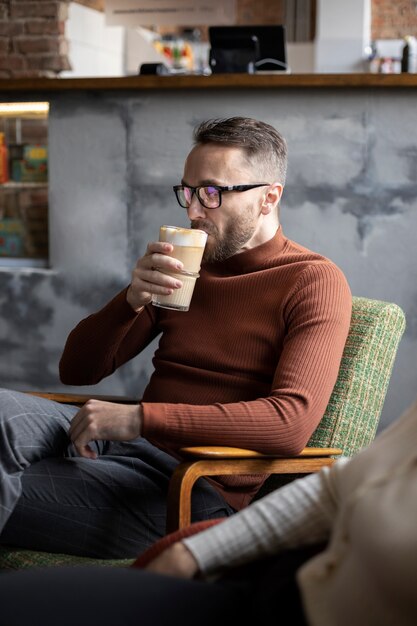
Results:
[137, 307]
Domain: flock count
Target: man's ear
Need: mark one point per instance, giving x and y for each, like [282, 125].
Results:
[272, 197]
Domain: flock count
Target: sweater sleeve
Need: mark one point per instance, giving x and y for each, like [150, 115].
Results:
[102, 342]
[317, 318]
[301, 513]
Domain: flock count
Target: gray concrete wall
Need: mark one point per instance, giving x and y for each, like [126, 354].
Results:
[351, 194]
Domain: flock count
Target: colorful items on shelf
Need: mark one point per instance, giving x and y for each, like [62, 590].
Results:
[15, 161]
[33, 167]
[35, 163]
[4, 160]
[178, 53]
[11, 237]
[23, 163]
[23, 184]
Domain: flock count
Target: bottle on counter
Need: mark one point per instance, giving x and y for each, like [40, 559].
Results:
[409, 55]
[16, 151]
[4, 160]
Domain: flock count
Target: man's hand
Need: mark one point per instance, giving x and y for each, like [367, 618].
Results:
[104, 421]
[148, 276]
[174, 561]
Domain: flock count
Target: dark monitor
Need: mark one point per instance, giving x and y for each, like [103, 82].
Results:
[247, 48]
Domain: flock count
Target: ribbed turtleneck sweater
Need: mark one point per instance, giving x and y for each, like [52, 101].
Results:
[252, 363]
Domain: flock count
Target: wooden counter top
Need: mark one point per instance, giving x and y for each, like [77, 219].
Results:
[218, 81]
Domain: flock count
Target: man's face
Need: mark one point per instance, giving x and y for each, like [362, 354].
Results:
[231, 226]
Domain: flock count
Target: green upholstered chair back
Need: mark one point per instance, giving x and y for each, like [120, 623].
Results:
[352, 415]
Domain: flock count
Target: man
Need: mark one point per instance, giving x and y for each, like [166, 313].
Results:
[251, 364]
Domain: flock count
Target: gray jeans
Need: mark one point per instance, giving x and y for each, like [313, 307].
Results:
[53, 500]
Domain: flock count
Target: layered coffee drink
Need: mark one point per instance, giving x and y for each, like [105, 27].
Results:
[189, 247]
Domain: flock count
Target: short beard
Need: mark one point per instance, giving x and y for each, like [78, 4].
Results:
[237, 234]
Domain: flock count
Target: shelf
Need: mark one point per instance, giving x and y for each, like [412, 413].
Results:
[11, 184]
[24, 233]
[214, 81]
[22, 262]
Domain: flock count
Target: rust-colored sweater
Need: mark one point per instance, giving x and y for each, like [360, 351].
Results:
[251, 364]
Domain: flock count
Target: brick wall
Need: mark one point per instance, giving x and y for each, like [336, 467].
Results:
[260, 12]
[393, 20]
[32, 38]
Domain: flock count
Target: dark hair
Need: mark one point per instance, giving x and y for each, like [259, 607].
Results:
[261, 142]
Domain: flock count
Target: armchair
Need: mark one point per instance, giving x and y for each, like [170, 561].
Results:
[349, 423]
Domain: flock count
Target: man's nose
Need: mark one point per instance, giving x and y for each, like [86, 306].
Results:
[196, 209]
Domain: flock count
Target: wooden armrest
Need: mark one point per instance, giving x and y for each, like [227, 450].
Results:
[205, 461]
[224, 452]
[80, 399]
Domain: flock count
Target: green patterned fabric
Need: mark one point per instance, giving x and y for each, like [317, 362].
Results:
[20, 559]
[352, 415]
[351, 418]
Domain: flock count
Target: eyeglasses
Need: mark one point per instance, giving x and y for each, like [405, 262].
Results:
[210, 196]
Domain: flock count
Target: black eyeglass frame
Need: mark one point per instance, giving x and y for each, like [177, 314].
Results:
[227, 188]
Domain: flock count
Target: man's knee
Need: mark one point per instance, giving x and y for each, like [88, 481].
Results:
[29, 429]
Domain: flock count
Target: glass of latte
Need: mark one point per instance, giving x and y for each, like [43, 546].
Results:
[189, 247]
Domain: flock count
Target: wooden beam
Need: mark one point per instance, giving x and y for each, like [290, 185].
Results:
[98, 5]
